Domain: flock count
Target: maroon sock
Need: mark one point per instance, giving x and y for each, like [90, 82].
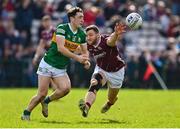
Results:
[88, 104]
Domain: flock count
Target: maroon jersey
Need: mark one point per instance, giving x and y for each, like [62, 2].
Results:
[47, 36]
[106, 57]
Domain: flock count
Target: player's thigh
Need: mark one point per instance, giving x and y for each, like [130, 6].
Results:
[44, 69]
[52, 84]
[62, 82]
[43, 84]
[115, 79]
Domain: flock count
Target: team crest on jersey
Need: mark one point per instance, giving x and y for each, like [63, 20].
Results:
[99, 48]
[74, 39]
[69, 36]
[79, 39]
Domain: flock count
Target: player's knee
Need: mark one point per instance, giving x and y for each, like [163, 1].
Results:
[42, 96]
[66, 90]
[98, 77]
[63, 90]
[96, 83]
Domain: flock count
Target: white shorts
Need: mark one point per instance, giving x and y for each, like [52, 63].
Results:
[45, 69]
[113, 79]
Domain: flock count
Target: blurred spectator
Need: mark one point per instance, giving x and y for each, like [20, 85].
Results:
[165, 21]
[38, 7]
[109, 9]
[7, 9]
[11, 34]
[2, 32]
[171, 46]
[174, 26]
[100, 19]
[142, 68]
[160, 9]
[149, 11]
[89, 14]
[62, 5]
[176, 7]
[24, 17]
[171, 68]
[178, 70]
[132, 72]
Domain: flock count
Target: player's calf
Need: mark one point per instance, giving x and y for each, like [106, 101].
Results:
[108, 105]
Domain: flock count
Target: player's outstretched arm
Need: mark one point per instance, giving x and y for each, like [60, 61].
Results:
[39, 51]
[118, 30]
[60, 44]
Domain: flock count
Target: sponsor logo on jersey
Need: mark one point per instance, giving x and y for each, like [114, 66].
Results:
[99, 55]
[71, 45]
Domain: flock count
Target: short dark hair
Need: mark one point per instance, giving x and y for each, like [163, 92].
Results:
[72, 12]
[92, 27]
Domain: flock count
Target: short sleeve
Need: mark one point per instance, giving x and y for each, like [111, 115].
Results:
[43, 35]
[60, 30]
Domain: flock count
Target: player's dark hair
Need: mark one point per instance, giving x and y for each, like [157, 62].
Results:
[72, 12]
[92, 27]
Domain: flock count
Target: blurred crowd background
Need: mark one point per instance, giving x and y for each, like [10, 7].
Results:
[158, 40]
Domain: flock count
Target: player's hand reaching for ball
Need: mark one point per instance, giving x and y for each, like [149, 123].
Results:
[120, 28]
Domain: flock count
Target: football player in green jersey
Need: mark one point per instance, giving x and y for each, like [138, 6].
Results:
[66, 39]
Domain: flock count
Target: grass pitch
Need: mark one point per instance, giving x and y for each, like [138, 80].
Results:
[134, 108]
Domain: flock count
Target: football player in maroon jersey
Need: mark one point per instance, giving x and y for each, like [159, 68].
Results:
[109, 66]
[44, 43]
[45, 39]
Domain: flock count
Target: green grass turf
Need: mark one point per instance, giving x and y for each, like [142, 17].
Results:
[134, 108]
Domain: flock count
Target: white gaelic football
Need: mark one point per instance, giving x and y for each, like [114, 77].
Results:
[134, 20]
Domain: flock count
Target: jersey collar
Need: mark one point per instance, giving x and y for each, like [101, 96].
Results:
[74, 32]
[97, 44]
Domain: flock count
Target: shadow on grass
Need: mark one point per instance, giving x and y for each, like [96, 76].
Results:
[55, 122]
[103, 121]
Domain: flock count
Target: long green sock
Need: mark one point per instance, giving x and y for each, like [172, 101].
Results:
[47, 100]
[26, 112]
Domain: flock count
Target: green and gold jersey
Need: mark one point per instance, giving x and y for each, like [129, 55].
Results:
[72, 40]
